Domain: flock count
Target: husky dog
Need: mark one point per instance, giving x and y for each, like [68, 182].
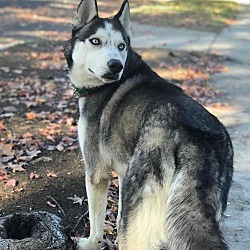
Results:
[174, 159]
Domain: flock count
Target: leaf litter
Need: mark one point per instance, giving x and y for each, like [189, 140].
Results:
[47, 105]
[38, 114]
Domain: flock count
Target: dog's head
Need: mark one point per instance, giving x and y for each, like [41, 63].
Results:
[97, 52]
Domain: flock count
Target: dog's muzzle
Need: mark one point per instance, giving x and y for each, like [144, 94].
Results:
[115, 67]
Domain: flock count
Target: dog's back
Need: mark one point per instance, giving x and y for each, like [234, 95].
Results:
[179, 163]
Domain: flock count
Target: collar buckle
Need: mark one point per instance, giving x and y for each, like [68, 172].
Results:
[79, 92]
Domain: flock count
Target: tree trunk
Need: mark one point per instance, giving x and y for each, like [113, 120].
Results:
[33, 231]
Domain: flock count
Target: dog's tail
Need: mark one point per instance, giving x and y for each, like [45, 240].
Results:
[192, 216]
[173, 201]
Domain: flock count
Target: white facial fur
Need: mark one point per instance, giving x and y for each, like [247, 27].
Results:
[91, 61]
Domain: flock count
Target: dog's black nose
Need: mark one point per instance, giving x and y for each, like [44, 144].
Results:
[115, 66]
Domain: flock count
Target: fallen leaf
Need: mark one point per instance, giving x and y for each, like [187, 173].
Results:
[34, 153]
[109, 244]
[50, 86]
[11, 183]
[73, 147]
[30, 104]
[59, 147]
[6, 149]
[108, 229]
[4, 176]
[40, 100]
[17, 71]
[51, 138]
[68, 139]
[70, 121]
[7, 115]
[115, 182]
[33, 176]
[5, 69]
[111, 216]
[51, 148]
[16, 168]
[76, 199]
[27, 135]
[51, 174]
[2, 127]
[43, 158]
[7, 158]
[31, 115]
[10, 109]
[114, 174]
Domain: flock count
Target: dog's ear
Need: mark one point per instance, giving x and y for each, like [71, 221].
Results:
[123, 16]
[86, 11]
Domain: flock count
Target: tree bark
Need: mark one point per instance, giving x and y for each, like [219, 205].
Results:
[33, 231]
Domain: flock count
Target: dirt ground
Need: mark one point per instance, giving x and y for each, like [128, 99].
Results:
[60, 172]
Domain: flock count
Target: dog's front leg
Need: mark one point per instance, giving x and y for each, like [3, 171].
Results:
[97, 202]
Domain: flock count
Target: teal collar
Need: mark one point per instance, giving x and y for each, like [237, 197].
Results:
[83, 92]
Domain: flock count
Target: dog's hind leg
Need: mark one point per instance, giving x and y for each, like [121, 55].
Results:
[144, 199]
[142, 227]
[97, 201]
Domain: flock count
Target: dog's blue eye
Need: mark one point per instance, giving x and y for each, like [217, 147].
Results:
[121, 46]
[95, 41]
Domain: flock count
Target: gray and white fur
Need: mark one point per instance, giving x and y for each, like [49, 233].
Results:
[174, 159]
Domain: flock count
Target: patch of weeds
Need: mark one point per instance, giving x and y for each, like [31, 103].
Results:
[207, 15]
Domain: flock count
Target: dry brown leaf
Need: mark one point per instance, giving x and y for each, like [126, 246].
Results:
[109, 244]
[50, 137]
[70, 121]
[50, 86]
[33, 176]
[2, 127]
[31, 115]
[40, 100]
[20, 189]
[6, 149]
[4, 176]
[51, 174]
[115, 182]
[27, 135]
[108, 229]
[11, 183]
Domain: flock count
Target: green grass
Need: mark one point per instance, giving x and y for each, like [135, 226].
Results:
[206, 15]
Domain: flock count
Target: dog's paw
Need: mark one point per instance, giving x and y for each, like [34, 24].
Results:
[86, 244]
